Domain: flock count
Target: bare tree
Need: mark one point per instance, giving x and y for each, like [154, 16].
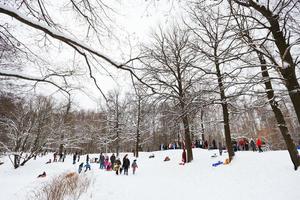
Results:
[27, 128]
[217, 44]
[168, 68]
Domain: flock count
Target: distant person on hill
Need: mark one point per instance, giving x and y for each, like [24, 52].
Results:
[259, 143]
[106, 162]
[184, 156]
[78, 156]
[108, 166]
[55, 157]
[60, 157]
[205, 144]
[220, 148]
[87, 158]
[117, 166]
[101, 160]
[252, 145]
[214, 144]
[112, 159]
[134, 166]
[64, 156]
[87, 167]
[80, 168]
[126, 164]
[246, 145]
[74, 158]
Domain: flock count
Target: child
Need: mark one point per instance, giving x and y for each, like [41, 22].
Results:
[87, 167]
[108, 166]
[80, 168]
[117, 166]
[134, 166]
[220, 148]
[106, 163]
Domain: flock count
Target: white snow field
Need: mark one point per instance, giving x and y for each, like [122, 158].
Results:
[251, 175]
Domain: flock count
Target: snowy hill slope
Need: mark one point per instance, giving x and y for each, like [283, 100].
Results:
[251, 175]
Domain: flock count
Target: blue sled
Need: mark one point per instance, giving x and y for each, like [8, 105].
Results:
[217, 163]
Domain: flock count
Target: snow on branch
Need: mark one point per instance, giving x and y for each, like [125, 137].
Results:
[54, 33]
[29, 78]
[73, 42]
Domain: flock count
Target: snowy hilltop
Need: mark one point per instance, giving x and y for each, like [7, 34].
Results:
[251, 175]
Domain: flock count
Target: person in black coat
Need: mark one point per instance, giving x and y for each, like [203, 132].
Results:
[101, 161]
[87, 158]
[126, 164]
[74, 158]
[112, 159]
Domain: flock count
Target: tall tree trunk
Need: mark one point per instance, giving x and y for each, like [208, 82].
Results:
[16, 161]
[225, 113]
[66, 119]
[187, 138]
[117, 127]
[202, 127]
[291, 147]
[138, 128]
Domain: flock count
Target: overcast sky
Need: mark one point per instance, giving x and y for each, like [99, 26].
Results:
[132, 20]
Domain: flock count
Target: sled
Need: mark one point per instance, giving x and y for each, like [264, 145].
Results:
[182, 163]
[217, 164]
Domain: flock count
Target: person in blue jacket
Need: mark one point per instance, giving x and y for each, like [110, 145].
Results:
[87, 166]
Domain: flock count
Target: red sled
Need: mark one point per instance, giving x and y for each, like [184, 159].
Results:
[182, 163]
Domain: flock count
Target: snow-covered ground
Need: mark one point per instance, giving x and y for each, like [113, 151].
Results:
[251, 175]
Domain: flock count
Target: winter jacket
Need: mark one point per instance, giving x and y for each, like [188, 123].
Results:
[134, 165]
[87, 165]
[117, 165]
[113, 159]
[102, 158]
[126, 163]
[258, 142]
[184, 156]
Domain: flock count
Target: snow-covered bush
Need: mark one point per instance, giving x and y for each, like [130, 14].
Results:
[68, 186]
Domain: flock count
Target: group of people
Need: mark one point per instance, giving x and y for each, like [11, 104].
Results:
[110, 164]
[59, 157]
[76, 157]
[258, 144]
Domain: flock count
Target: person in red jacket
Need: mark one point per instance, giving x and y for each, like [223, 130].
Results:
[258, 144]
[184, 156]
